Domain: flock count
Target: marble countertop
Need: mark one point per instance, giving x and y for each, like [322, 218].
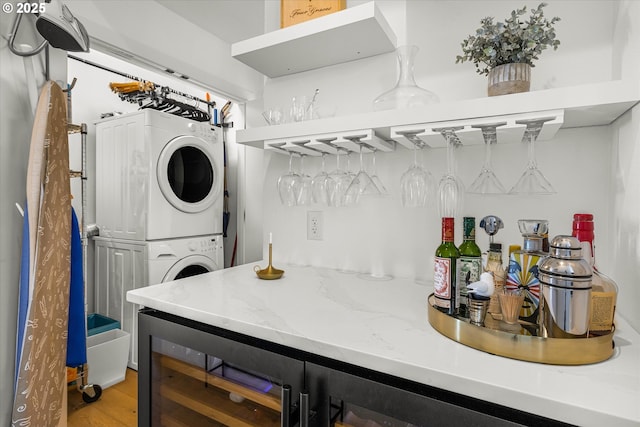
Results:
[383, 325]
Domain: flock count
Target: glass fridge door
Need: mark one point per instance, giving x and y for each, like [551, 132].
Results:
[356, 397]
[191, 374]
[199, 389]
[352, 415]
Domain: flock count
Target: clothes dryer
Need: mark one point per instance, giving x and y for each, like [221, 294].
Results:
[158, 176]
[124, 265]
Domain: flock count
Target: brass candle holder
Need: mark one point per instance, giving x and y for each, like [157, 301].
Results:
[269, 273]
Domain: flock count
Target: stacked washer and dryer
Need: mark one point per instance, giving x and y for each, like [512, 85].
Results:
[159, 202]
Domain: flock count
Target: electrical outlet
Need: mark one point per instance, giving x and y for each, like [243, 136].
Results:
[314, 225]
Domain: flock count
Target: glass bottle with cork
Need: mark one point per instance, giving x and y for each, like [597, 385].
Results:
[494, 265]
[469, 264]
[604, 291]
[523, 266]
[444, 273]
[491, 224]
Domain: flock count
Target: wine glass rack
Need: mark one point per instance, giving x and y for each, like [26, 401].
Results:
[427, 134]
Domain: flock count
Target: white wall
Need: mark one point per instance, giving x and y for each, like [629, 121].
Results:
[624, 247]
[382, 237]
[16, 120]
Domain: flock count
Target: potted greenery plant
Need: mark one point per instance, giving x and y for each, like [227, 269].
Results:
[505, 51]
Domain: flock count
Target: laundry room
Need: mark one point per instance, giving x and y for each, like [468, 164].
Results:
[261, 193]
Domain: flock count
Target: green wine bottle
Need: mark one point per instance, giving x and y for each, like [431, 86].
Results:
[470, 263]
[444, 272]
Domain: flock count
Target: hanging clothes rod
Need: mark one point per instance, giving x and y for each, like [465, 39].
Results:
[129, 76]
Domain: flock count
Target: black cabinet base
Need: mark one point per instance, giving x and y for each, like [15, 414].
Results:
[331, 383]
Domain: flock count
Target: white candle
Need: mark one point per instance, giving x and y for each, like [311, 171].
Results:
[270, 238]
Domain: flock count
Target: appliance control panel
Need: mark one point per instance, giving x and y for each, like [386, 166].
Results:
[203, 130]
[206, 246]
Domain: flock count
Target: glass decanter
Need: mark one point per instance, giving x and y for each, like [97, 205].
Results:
[406, 93]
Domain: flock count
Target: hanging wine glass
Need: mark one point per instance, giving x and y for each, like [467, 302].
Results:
[450, 187]
[350, 171]
[487, 182]
[320, 185]
[305, 195]
[416, 184]
[362, 184]
[374, 174]
[532, 181]
[338, 184]
[406, 93]
[289, 185]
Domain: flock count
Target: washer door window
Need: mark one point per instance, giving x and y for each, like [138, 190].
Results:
[187, 174]
[190, 266]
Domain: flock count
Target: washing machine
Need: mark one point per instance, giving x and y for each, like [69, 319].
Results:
[158, 176]
[179, 258]
[122, 265]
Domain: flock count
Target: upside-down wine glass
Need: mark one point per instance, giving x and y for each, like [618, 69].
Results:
[289, 185]
[320, 184]
[532, 181]
[487, 182]
[416, 182]
[362, 184]
[337, 186]
[351, 173]
[374, 174]
[450, 187]
[305, 196]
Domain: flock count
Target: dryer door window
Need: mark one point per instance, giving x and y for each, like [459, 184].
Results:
[190, 266]
[191, 270]
[187, 174]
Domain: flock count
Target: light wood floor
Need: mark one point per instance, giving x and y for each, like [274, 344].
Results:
[118, 406]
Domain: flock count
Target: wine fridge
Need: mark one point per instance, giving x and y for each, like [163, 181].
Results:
[194, 377]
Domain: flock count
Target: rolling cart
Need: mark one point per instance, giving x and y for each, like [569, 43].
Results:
[77, 368]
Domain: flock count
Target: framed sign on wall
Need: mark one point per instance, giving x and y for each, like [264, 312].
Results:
[297, 11]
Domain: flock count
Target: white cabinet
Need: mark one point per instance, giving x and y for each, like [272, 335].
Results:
[117, 272]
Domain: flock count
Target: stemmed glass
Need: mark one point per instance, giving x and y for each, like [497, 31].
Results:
[289, 185]
[362, 184]
[320, 184]
[374, 174]
[487, 182]
[337, 186]
[532, 180]
[450, 188]
[351, 173]
[306, 192]
[416, 183]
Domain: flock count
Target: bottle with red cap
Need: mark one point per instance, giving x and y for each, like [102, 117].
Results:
[604, 291]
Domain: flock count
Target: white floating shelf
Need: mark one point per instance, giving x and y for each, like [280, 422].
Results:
[593, 104]
[353, 33]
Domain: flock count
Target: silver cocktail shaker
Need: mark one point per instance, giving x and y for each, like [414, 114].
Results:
[565, 295]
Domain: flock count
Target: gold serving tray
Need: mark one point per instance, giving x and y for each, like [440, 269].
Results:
[519, 341]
